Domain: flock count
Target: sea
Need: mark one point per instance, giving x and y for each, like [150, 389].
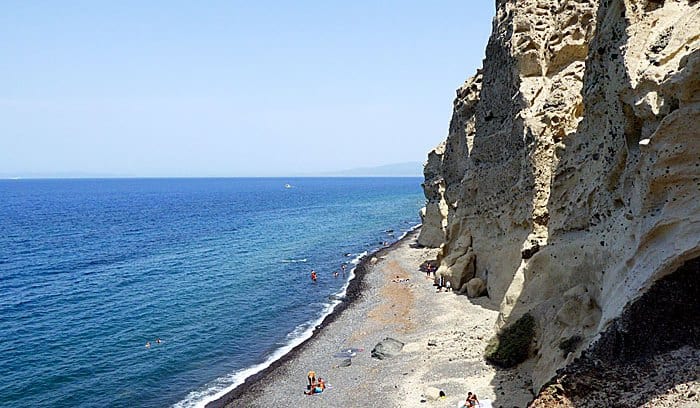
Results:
[214, 274]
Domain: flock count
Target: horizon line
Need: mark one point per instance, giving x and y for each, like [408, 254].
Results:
[18, 178]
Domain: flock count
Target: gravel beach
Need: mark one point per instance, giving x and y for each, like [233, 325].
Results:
[444, 336]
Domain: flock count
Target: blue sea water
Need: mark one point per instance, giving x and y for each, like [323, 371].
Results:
[90, 270]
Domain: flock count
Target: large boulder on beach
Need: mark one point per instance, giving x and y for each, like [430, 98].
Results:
[476, 287]
[387, 348]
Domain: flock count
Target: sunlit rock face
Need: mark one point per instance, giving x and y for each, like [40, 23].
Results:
[569, 181]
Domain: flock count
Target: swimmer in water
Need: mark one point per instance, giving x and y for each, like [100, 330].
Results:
[335, 274]
[148, 344]
[158, 340]
[313, 275]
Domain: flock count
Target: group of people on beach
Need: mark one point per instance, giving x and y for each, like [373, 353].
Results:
[471, 401]
[443, 283]
[314, 386]
[314, 275]
[429, 268]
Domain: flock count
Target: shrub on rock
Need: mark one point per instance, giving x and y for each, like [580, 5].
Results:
[511, 346]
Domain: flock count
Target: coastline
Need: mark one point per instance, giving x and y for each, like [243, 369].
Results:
[353, 293]
[444, 335]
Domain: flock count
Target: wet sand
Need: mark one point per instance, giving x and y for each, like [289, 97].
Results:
[444, 334]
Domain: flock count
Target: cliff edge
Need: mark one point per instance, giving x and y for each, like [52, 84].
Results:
[569, 182]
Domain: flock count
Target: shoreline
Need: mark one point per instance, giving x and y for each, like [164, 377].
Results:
[443, 337]
[354, 292]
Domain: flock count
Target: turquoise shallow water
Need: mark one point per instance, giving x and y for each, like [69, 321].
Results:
[90, 270]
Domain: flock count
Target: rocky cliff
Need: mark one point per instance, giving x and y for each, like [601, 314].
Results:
[569, 181]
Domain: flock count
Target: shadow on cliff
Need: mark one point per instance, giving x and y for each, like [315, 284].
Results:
[501, 173]
[652, 348]
[663, 320]
[602, 63]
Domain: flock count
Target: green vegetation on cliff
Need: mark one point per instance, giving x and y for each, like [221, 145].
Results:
[511, 346]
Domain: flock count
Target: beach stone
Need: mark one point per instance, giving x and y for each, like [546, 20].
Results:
[530, 249]
[411, 347]
[387, 348]
[432, 393]
[476, 287]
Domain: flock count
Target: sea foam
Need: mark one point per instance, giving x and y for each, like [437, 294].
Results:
[223, 385]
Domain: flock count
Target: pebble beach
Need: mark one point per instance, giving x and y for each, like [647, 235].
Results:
[444, 336]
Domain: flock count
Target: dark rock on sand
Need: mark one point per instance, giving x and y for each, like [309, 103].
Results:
[387, 348]
[531, 250]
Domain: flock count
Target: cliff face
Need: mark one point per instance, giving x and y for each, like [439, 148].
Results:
[570, 181]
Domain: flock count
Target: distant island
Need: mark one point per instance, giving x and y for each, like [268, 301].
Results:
[407, 169]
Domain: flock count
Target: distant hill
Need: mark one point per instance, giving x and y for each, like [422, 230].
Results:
[407, 169]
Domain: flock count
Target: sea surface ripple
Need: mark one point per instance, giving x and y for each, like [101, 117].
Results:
[91, 270]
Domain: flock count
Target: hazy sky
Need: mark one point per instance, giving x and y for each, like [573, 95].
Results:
[230, 88]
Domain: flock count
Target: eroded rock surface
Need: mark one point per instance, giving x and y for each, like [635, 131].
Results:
[569, 181]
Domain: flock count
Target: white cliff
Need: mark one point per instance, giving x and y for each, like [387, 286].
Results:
[570, 181]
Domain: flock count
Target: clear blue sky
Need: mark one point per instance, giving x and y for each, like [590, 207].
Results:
[229, 88]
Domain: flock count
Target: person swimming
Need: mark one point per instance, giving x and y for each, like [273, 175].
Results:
[148, 344]
[313, 275]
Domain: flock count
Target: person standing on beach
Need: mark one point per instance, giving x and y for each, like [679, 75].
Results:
[440, 283]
